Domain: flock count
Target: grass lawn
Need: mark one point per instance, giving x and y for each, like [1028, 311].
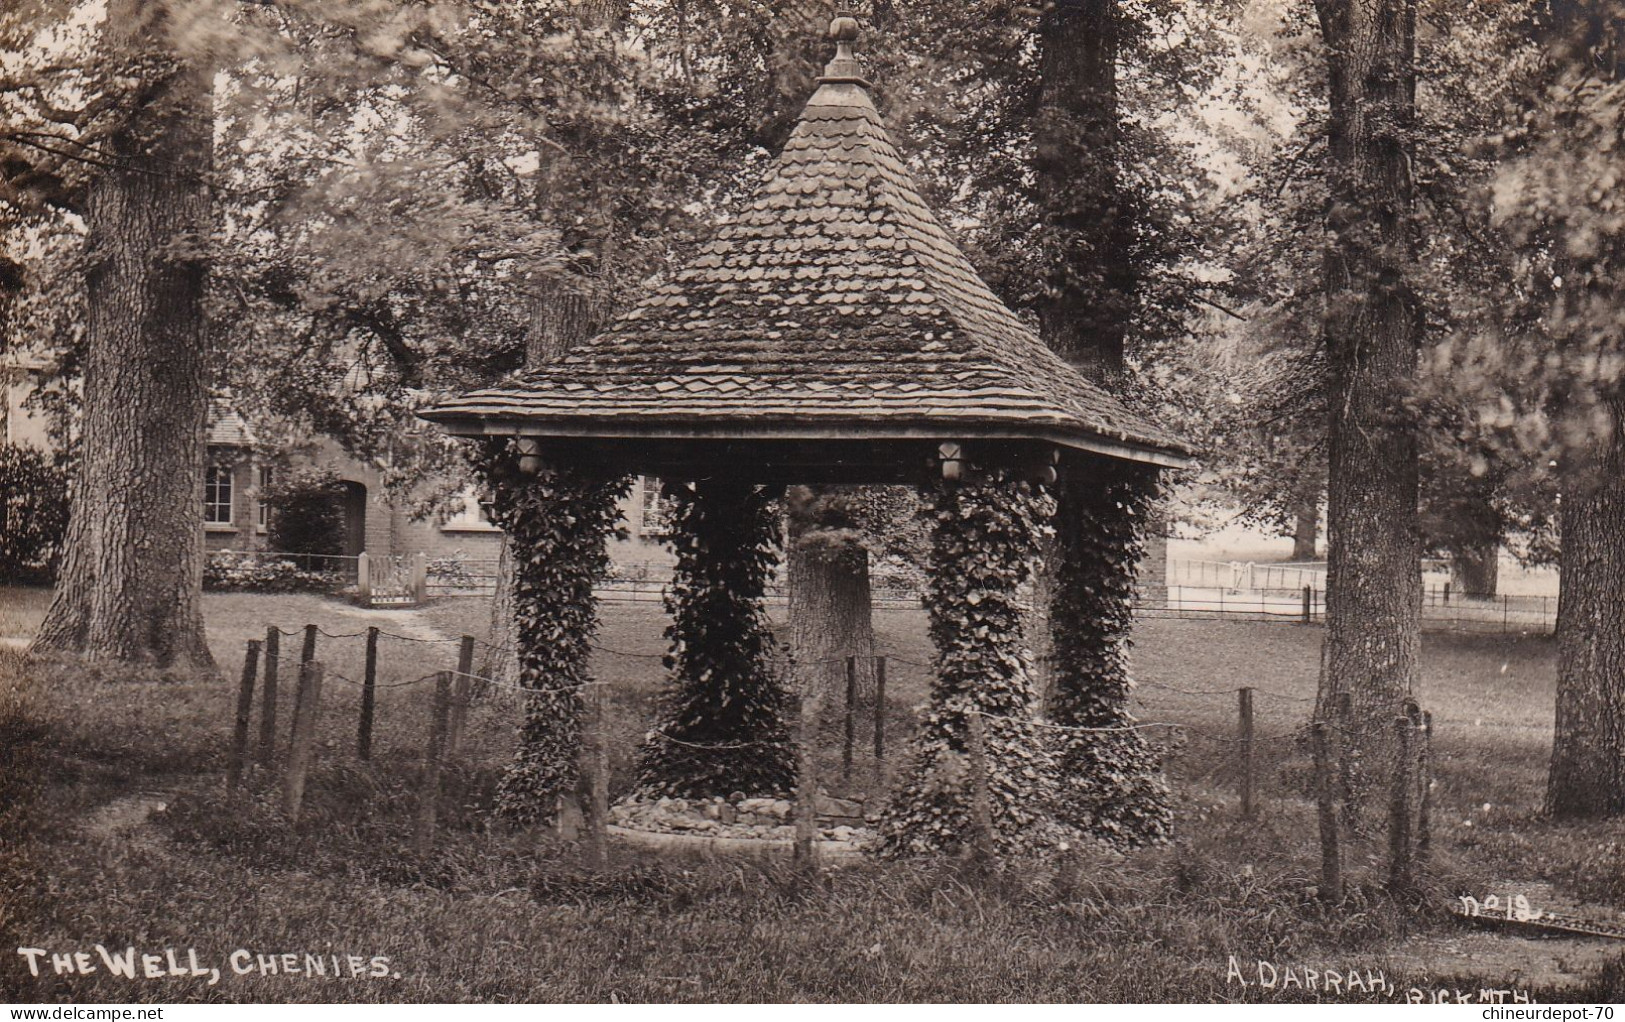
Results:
[494, 914]
[22, 608]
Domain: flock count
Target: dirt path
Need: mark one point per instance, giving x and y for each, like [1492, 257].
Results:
[412, 623]
[1518, 959]
[128, 818]
[1508, 959]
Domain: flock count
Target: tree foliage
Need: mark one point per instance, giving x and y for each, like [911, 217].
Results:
[33, 514]
[1265, 399]
[1111, 785]
[560, 520]
[1552, 385]
[722, 725]
[306, 513]
[984, 543]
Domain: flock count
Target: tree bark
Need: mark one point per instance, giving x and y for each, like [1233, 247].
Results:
[1475, 569]
[1306, 522]
[1587, 776]
[130, 591]
[1374, 585]
[498, 661]
[831, 610]
[1089, 297]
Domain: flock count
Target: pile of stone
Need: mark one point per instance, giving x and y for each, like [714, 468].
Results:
[739, 817]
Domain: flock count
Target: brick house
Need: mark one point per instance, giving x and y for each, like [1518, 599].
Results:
[234, 518]
[377, 523]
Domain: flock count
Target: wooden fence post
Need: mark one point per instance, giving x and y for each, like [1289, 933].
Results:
[273, 656]
[245, 709]
[806, 794]
[462, 693]
[369, 697]
[1331, 857]
[307, 653]
[981, 812]
[307, 699]
[1308, 604]
[363, 578]
[880, 723]
[420, 577]
[595, 783]
[429, 798]
[1246, 735]
[1400, 874]
[851, 719]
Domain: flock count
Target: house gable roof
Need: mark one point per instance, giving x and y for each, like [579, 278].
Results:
[227, 427]
[835, 306]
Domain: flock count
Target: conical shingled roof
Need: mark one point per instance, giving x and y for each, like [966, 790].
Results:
[836, 306]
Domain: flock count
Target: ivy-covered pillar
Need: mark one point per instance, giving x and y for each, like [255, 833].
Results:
[722, 727]
[984, 542]
[557, 521]
[1111, 784]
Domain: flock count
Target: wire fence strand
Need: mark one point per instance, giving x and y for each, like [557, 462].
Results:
[782, 663]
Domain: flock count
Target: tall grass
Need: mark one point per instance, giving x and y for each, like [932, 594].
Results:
[498, 914]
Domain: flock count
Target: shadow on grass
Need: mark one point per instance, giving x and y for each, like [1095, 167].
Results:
[499, 914]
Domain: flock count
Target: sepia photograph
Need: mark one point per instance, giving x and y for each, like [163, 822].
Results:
[625, 502]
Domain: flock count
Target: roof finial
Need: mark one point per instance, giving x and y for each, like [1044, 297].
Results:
[843, 28]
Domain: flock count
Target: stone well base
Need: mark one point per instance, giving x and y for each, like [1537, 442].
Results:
[750, 847]
[735, 826]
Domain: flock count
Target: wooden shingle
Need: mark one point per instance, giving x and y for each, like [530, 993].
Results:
[835, 307]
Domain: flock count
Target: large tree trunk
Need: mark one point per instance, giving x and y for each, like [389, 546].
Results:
[1089, 296]
[564, 312]
[1461, 519]
[1306, 521]
[1110, 788]
[831, 610]
[1588, 749]
[1587, 775]
[1475, 569]
[130, 589]
[1374, 584]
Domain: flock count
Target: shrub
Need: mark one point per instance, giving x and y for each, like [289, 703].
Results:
[307, 513]
[229, 571]
[451, 571]
[33, 514]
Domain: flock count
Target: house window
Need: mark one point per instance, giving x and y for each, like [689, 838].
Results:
[470, 515]
[217, 495]
[267, 476]
[654, 511]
